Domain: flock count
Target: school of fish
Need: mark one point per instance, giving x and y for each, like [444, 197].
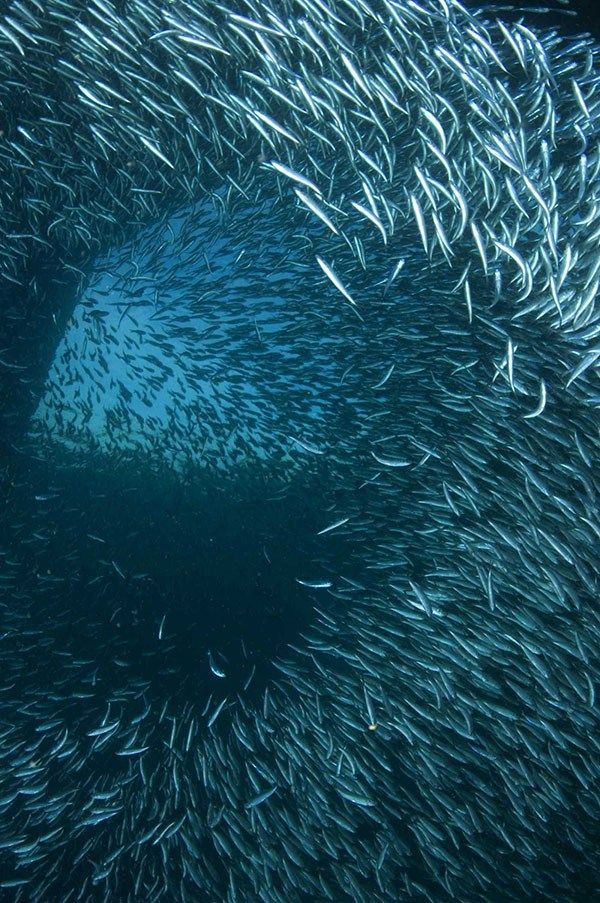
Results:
[342, 256]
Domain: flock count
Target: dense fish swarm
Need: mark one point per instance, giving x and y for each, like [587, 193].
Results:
[339, 252]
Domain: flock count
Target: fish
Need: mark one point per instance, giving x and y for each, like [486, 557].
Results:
[260, 798]
[269, 271]
[333, 526]
[218, 672]
[314, 584]
[335, 280]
